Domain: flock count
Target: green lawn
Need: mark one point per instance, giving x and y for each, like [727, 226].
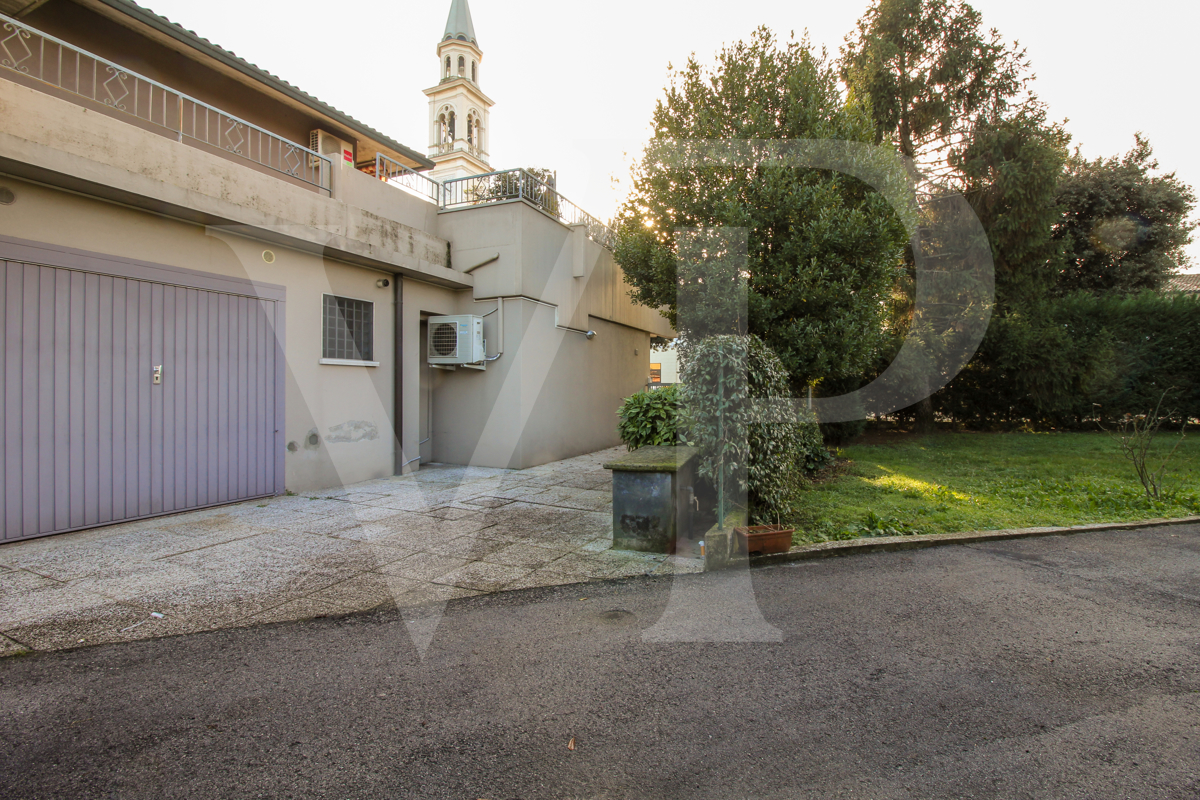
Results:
[954, 482]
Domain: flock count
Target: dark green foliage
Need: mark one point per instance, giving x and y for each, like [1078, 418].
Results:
[1010, 169]
[822, 247]
[956, 98]
[1123, 228]
[928, 70]
[837, 434]
[1081, 357]
[650, 418]
[763, 454]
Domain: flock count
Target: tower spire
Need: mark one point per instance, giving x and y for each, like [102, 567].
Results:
[458, 108]
[459, 24]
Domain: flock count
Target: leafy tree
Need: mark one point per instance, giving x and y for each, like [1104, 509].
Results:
[1124, 228]
[929, 71]
[1009, 170]
[822, 248]
[761, 456]
[932, 76]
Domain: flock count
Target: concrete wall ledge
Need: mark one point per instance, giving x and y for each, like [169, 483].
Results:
[891, 543]
[58, 143]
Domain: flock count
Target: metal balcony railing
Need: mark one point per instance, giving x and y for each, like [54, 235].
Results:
[397, 174]
[51, 61]
[517, 184]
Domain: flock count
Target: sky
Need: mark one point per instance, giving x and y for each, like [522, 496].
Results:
[575, 83]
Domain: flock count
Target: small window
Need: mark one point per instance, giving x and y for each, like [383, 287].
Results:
[348, 330]
[474, 73]
[447, 66]
[656, 373]
[462, 67]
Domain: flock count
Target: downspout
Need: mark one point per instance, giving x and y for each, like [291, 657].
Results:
[398, 372]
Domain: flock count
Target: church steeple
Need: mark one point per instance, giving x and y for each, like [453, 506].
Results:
[459, 24]
[458, 108]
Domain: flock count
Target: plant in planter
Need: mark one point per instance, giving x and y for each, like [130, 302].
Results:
[762, 539]
[763, 458]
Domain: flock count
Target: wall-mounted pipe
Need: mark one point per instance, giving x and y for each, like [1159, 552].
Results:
[540, 303]
[398, 374]
[483, 263]
[499, 311]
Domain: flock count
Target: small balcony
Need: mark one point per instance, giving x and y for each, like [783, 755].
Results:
[518, 185]
[39, 60]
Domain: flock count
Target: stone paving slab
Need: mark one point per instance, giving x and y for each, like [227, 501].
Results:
[440, 534]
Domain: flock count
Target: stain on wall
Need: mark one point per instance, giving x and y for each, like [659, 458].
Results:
[353, 431]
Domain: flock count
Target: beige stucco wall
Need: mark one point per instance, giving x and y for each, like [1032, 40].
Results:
[110, 34]
[669, 364]
[545, 260]
[127, 192]
[551, 395]
[56, 141]
[317, 396]
[420, 300]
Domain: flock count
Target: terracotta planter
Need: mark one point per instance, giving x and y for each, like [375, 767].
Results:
[762, 539]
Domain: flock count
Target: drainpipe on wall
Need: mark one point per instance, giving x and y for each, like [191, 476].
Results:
[398, 372]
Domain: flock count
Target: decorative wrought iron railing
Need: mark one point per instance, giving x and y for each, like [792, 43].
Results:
[49, 60]
[517, 184]
[397, 174]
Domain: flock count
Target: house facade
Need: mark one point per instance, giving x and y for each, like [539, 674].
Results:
[664, 367]
[217, 287]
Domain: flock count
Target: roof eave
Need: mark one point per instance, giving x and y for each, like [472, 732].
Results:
[185, 37]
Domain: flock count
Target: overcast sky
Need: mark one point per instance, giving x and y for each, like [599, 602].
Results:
[575, 83]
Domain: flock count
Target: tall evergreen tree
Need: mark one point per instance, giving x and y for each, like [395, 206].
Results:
[823, 247]
[930, 72]
[1123, 227]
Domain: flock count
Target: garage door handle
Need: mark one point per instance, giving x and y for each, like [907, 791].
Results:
[158, 375]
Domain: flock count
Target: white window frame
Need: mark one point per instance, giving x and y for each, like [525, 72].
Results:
[346, 362]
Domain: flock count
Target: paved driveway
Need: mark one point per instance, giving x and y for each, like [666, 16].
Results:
[444, 533]
[1063, 667]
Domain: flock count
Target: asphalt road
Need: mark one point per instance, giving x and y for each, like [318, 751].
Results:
[1059, 667]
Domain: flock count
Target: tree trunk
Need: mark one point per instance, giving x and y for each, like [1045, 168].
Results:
[925, 421]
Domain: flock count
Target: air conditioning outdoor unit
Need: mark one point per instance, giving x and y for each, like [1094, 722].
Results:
[456, 340]
[329, 146]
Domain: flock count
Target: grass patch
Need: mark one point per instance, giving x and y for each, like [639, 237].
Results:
[947, 483]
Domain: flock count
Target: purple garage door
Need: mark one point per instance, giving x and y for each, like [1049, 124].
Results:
[91, 436]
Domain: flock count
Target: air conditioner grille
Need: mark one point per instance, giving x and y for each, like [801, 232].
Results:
[445, 339]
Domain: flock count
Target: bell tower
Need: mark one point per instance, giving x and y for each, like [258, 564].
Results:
[458, 108]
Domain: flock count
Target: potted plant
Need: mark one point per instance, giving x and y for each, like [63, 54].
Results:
[756, 540]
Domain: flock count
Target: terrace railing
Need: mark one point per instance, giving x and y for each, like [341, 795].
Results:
[518, 184]
[397, 174]
[46, 59]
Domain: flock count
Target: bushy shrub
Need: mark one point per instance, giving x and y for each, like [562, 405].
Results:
[762, 453]
[650, 418]
[1075, 358]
